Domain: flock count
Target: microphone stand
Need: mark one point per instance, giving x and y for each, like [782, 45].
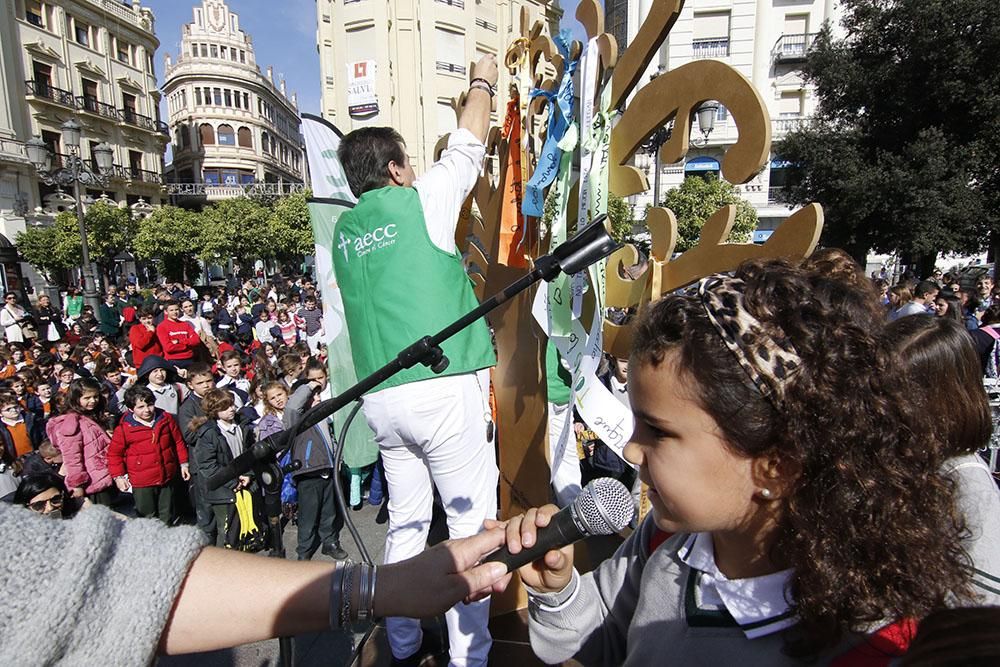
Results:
[593, 243]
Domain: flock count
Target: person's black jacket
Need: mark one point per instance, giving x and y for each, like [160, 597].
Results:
[46, 316]
[189, 409]
[212, 453]
[310, 447]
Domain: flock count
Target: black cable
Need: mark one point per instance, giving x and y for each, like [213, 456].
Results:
[339, 487]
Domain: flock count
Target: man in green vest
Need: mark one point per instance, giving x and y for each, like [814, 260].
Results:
[401, 278]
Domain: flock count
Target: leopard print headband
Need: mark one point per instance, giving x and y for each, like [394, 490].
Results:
[765, 353]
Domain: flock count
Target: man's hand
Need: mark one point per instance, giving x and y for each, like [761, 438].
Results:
[486, 68]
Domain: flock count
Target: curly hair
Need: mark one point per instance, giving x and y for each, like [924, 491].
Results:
[868, 525]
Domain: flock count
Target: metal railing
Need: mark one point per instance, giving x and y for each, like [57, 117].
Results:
[710, 48]
[132, 117]
[453, 3]
[49, 92]
[92, 105]
[449, 67]
[121, 11]
[210, 189]
[774, 194]
[136, 174]
[483, 23]
[793, 47]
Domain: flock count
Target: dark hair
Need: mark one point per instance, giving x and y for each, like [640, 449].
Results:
[199, 368]
[314, 364]
[845, 428]
[365, 155]
[230, 354]
[76, 390]
[992, 315]
[966, 637]
[136, 393]
[288, 362]
[938, 355]
[925, 287]
[45, 359]
[33, 484]
[954, 311]
[147, 311]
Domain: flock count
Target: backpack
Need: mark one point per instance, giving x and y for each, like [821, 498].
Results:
[247, 527]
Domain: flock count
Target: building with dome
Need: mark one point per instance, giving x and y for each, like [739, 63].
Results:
[233, 128]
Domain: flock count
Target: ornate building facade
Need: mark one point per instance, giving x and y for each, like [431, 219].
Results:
[400, 63]
[88, 60]
[232, 127]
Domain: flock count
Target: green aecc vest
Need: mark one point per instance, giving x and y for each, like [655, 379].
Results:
[398, 286]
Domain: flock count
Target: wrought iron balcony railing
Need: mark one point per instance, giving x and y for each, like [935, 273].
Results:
[45, 90]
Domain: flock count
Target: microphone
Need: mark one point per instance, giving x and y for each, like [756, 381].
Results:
[604, 507]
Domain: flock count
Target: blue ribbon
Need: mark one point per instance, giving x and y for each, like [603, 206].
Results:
[560, 117]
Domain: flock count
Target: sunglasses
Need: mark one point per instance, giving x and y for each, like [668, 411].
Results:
[55, 502]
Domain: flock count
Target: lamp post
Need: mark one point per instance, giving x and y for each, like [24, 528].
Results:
[705, 113]
[75, 172]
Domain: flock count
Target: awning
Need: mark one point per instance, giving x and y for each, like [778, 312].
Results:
[778, 163]
[762, 235]
[703, 163]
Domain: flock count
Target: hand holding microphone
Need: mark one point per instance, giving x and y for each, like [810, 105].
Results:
[539, 542]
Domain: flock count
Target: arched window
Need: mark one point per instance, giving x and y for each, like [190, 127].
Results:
[226, 135]
[245, 137]
[264, 142]
[207, 134]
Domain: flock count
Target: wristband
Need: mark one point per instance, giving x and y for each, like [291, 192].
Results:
[483, 84]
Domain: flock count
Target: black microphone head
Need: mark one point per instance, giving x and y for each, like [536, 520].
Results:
[604, 507]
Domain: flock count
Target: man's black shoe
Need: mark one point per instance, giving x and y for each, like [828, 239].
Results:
[334, 550]
[383, 513]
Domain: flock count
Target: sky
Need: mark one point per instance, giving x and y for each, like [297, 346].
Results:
[283, 34]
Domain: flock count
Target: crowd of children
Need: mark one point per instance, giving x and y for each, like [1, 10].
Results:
[158, 392]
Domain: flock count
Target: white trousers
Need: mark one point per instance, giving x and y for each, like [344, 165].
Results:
[314, 341]
[432, 433]
[564, 463]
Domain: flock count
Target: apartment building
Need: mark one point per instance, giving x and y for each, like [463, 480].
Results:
[232, 126]
[765, 40]
[399, 63]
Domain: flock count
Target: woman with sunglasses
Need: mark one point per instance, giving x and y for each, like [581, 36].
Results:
[45, 493]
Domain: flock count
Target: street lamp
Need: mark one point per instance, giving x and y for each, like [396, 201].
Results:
[705, 114]
[74, 172]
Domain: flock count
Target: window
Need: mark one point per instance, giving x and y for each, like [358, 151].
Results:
[124, 52]
[43, 77]
[723, 114]
[207, 134]
[711, 35]
[213, 50]
[185, 136]
[228, 97]
[245, 137]
[796, 24]
[223, 52]
[53, 141]
[204, 50]
[232, 54]
[217, 96]
[211, 176]
[194, 50]
[264, 142]
[236, 99]
[81, 32]
[135, 164]
[197, 96]
[243, 57]
[246, 101]
[33, 13]
[450, 51]
[790, 104]
[226, 135]
[184, 99]
[326, 18]
[89, 94]
[128, 101]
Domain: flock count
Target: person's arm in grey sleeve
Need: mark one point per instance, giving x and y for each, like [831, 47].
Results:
[300, 401]
[589, 619]
[77, 578]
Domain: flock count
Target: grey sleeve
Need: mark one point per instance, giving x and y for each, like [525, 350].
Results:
[979, 502]
[591, 623]
[93, 590]
[296, 406]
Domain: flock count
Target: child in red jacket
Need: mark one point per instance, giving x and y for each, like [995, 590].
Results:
[146, 451]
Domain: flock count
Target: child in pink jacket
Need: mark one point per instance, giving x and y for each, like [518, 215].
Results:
[81, 438]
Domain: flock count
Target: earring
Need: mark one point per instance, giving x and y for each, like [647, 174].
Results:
[765, 493]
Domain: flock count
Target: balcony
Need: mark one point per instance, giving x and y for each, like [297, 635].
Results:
[131, 117]
[710, 48]
[136, 175]
[452, 3]
[449, 67]
[483, 23]
[793, 48]
[780, 126]
[46, 91]
[93, 105]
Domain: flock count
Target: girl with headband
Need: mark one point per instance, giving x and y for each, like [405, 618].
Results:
[798, 512]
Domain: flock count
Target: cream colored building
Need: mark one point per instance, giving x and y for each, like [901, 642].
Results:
[766, 41]
[231, 125]
[91, 60]
[399, 63]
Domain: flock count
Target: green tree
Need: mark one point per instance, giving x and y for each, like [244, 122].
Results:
[52, 248]
[234, 228]
[289, 228]
[697, 199]
[620, 214]
[110, 231]
[903, 152]
[172, 237]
